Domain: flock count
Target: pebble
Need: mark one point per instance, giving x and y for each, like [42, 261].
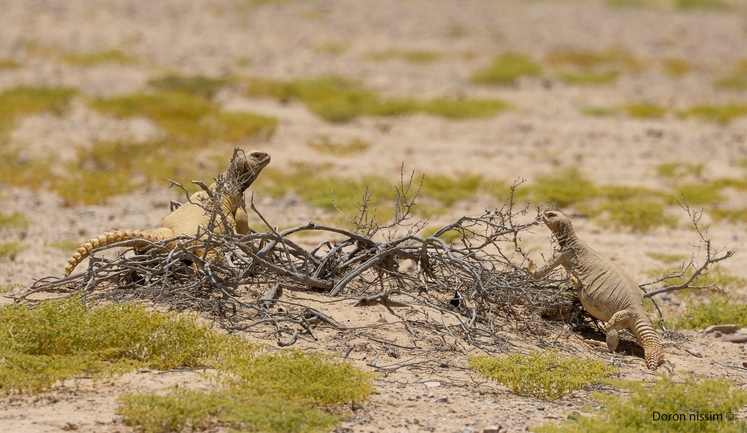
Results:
[724, 329]
[736, 338]
[432, 384]
[492, 429]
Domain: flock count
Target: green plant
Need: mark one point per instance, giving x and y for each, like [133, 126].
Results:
[542, 374]
[24, 101]
[61, 339]
[731, 215]
[274, 392]
[312, 378]
[715, 310]
[737, 79]
[721, 114]
[331, 47]
[589, 78]
[564, 187]
[13, 221]
[99, 57]
[7, 288]
[449, 236]
[189, 116]
[413, 56]
[339, 100]
[184, 409]
[506, 69]
[666, 258]
[678, 170]
[694, 405]
[676, 67]
[197, 85]
[448, 190]
[8, 64]
[324, 144]
[639, 214]
[599, 111]
[10, 249]
[702, 4]
[644, 110]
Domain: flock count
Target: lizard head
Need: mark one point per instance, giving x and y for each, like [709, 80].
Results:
[556, 221]
[246, 167]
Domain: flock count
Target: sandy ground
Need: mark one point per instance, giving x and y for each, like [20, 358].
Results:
[284, 40]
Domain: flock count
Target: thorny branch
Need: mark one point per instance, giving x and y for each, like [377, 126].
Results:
[445, 294]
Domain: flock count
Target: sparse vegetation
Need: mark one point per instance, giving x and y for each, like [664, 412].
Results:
[9, 64]
[667, 258]
[702, 402]
[679, 170]
[13, 221]
[7, 288]
[544, 374]
[324, 144]
[565, 187]
[274, 392]
[412, 56]
[188, 116]
[99, 57]
[506, 70]
[716, 310]
[338, 100]
[197, 85]
[24, 101]
[721, 114]
[676, 67]
[586, 67]
[8, 250]
[737, 80]
[644, 110]
[62, 339]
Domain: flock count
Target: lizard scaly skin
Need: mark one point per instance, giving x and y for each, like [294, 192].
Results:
[188, 218]
[606, 291]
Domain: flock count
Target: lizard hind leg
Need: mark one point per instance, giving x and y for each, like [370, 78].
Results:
[621, 320]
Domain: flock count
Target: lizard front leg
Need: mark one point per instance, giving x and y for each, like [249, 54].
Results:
[561, 259]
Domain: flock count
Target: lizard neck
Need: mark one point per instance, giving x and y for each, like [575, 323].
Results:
[566, 236]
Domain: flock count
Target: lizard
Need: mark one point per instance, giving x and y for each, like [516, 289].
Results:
[606, 291]
[188, 219]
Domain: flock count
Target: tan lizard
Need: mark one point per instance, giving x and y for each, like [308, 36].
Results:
[606, 291]
[188, 218]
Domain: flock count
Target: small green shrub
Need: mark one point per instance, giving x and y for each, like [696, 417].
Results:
[61, 339]
[599, 111]
[734, 216]
[564, 187]
[413, 56]
[24, 101]
[506, 70]
[718, 5]
[700, 193]
[7, 288]
[100, 57]
[10, 249]
[312, 378]
[644, 110]
[324, 144]
[716, 310]
[13, 221]
[448, 236]
[707, 400]
[331, 47]
[188, 116]
[666, 258]
[449, 190]
[183, 409]
[721, 114]
[67, 245]
[678, 170]
[197, 85]
[737, 80]
[273, 392]
[339, 100]
[639, 214]
[542, 374]
[589, 78]
[9, 64]
[463, 108]
[676, 67]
